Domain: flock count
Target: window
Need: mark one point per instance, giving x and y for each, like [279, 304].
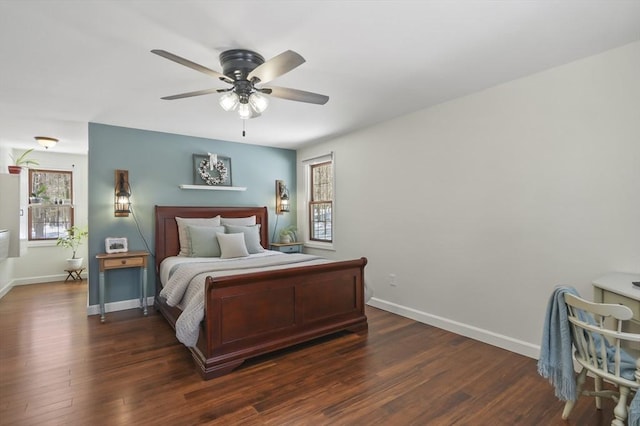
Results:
[321, 202]
[50, 204]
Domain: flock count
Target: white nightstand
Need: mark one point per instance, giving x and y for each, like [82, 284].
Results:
[295, 247]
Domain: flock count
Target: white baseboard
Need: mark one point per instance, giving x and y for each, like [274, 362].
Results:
[34, 280]
[485, 336]
[4, 290]
[122, 305]
[44, 279]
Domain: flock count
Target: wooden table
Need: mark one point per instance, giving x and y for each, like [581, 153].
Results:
[129, 259]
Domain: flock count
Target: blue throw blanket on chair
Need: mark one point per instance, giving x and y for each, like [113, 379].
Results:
[634, 411]
[556, 359]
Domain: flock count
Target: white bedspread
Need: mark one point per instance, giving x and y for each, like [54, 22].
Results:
[185, 285]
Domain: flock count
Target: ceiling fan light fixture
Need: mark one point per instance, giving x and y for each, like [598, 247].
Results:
[46, 141]
[243, 69]
[229, 101]
[244, 111]
[258, 102]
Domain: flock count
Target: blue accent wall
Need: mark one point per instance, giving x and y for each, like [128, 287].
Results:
[157, 163]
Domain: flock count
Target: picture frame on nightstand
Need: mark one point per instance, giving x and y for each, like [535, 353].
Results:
[116, 245]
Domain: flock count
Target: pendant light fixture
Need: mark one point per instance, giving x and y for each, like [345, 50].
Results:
[46, 141]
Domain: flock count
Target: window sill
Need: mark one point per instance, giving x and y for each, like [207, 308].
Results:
[42, 243]
[319, 246]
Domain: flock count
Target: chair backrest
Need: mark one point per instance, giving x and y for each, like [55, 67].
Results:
[598, 338]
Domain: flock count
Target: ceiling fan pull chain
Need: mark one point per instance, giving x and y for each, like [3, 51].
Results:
[243, 132]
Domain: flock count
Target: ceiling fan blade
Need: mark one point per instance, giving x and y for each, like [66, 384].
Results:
[296, 95]
[192, 65]
[276, 66]
[190, 94]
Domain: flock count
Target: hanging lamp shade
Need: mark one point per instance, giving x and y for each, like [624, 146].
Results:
[46, 141]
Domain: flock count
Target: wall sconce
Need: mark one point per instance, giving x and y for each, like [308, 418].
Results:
[122, 193]
[46, 141]
[282, 197]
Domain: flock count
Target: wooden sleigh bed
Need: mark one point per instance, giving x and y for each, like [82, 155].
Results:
[256, 313]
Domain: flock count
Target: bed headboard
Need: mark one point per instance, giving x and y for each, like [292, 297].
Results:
[167, 242]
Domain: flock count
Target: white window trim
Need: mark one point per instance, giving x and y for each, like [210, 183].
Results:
[42, 243]
[72, 170]
[307, 196]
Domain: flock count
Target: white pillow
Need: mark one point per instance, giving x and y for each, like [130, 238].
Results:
[183, 232]
[238, 221]
[232, 245]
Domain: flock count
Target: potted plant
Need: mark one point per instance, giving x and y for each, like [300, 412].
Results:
[288, 234]
[72, 240]
[22, 160]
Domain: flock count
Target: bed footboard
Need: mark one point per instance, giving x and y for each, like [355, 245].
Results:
[252, 314]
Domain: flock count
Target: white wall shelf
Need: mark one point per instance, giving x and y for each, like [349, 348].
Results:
[214, 188]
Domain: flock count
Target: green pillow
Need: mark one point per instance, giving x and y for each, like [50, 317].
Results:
[251, 236]
[204, 240]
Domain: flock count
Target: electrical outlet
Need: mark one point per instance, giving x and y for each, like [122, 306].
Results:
[392, 280]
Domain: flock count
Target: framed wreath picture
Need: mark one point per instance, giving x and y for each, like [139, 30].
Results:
[218, 174]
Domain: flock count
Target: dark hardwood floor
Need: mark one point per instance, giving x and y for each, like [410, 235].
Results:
[60, 367]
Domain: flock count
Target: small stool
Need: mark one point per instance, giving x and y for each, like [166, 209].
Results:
[74, 274]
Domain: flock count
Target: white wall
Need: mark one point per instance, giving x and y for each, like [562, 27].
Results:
[44, 263]
[6, 265]
[6, 271]
[483, 204]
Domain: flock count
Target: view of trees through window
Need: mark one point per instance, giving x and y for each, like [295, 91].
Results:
[321, 204]
[50, 203]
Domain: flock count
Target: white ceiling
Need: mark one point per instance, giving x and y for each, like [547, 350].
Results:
[67, 63]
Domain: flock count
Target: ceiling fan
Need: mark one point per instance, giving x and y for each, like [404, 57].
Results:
[246, 71]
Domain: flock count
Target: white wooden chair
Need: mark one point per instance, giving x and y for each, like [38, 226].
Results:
[597, 336]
